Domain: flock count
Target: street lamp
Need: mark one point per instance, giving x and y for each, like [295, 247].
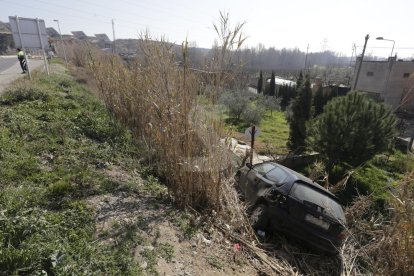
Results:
[381, 38]
[61, 40]
[390, 63]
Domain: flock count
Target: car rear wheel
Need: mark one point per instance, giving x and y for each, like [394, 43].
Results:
[258, 218]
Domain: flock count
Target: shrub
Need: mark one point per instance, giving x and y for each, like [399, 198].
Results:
[24, 93]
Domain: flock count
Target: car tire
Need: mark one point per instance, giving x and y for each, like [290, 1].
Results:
[258, 217]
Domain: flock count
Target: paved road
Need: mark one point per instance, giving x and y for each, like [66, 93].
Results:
[10, 70]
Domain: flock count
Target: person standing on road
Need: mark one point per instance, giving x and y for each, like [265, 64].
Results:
[22, 60]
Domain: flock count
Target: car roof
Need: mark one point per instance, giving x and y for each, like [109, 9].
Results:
[295, 176]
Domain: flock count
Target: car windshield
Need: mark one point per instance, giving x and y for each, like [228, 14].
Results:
[304, 192]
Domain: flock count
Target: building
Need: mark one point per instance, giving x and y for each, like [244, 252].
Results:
[79, 35]
[391, 81]
[6, 39]
[279, 82]
[51, 32]
[103, 41]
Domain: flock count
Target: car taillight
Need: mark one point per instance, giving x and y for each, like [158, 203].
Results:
[342, 235]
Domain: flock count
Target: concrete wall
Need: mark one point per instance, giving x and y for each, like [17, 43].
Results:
[398, 86]
[373, 79]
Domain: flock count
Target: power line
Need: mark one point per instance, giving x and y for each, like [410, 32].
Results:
[125, 22]
[162, 10]
[135, 15]
[54, 12]
[382, 47]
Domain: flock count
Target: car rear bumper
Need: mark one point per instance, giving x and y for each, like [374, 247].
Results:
[314, 237]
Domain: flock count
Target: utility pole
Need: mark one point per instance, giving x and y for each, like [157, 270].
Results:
[43, 46]
[113, 37]
[61, 41]
[352, 56]
[360, 62]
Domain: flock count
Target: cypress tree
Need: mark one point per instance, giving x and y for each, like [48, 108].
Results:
[299, 81]
[272, 87]
[260, 83]
[301, 113]
[284, 94]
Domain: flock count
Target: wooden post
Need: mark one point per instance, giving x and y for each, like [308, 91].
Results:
[252, 143]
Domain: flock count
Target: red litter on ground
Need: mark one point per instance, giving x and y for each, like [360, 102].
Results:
[237, 247]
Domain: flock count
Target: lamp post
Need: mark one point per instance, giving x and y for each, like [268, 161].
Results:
[390, 63]
[381, 38]
[61, 40]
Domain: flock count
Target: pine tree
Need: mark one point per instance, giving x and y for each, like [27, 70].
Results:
[351, 130]
[260, 83]
[301, 113]
[272, 88]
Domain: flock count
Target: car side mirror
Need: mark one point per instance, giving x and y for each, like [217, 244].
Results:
[249, 165]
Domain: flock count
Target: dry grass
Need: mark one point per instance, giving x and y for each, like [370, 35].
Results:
[381, 244]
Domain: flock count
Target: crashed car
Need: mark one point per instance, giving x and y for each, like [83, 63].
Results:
[283, 200]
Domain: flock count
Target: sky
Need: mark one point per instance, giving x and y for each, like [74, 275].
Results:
[322, 24]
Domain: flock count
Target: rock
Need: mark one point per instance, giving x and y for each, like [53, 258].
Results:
[143, 265]
[201, 238]
[149, 248]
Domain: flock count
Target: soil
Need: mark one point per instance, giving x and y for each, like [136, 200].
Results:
[159, 223]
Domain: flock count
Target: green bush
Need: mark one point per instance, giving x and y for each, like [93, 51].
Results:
[60, 188]
[24, 93]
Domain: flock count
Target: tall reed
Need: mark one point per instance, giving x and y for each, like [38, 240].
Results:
[157, 100]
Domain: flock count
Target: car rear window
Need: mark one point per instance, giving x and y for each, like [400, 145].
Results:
[277, 175]
[264, 168]
[303, 192]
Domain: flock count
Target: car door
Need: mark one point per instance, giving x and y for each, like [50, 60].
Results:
[257, 181]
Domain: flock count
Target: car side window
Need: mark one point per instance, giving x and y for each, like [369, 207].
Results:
[277, 175]
[264, 168]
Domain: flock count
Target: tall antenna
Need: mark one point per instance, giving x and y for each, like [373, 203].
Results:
[324, 44]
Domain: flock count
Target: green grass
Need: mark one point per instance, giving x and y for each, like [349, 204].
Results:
[275, 130]
[273, 127]
[53, 137]
[378, 177]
